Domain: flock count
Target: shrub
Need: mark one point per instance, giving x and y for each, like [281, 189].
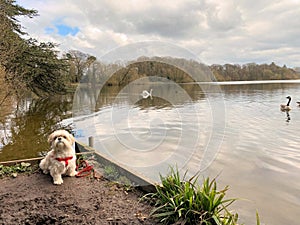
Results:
[186, 202]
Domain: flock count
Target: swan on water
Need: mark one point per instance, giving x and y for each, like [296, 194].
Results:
[287, 106]
[147, 94]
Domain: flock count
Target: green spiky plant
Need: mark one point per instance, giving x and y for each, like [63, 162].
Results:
[186, 202]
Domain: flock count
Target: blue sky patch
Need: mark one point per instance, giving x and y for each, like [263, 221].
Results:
[62, 29]
[65, 30]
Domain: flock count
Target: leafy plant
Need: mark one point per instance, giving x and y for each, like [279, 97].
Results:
[15, 169]
[110, 172]
[186, 202]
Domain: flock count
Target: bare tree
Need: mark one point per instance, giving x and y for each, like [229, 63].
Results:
[80, 62]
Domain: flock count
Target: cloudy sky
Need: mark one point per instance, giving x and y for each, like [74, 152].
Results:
[216, 31]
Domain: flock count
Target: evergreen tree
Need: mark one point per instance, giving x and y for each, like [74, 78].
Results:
[27, 63]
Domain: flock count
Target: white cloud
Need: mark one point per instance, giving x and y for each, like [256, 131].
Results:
[223, 15]
[233, 31]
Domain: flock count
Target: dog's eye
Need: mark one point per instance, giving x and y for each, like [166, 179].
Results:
[64, 137]
[55, 138]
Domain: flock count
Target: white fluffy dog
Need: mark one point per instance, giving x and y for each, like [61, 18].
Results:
[62, 158]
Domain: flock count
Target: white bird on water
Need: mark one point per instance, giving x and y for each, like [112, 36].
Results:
[146, 94]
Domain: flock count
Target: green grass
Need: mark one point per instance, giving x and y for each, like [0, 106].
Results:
[177, 201]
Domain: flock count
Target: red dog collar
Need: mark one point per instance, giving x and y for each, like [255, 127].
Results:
[66, 160]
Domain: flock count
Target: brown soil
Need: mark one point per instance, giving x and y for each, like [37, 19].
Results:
[33, 199]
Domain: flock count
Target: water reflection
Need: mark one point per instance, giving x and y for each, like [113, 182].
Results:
[288, 117]
[90, 99]
[25, 131]
[154, 103]
[146, 131]
[163, 95]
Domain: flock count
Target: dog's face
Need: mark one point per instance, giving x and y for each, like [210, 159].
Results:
[61, 139]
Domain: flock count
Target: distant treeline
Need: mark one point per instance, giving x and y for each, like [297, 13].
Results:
[252, 71]
[183, 71]
[151, 69]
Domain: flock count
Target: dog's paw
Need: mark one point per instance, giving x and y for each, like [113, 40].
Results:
[58, 181]
[73, 173]
[45, 171]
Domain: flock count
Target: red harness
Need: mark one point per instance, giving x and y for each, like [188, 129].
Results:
[86, 169]
[66, 160]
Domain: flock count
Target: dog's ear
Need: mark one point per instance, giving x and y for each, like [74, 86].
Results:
[50, 138]
[71, 137]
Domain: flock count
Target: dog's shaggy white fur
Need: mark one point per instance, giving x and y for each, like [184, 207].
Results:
[61, 159]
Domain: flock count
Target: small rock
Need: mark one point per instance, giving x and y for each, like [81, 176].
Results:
[97, 175]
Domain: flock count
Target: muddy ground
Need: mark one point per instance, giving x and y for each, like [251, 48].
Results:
[33, 199]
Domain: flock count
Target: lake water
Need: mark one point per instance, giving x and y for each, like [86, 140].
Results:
[234, 131]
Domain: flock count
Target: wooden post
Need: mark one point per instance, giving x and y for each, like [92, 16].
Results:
[91, 141]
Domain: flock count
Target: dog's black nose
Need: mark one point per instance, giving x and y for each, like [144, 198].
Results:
[59, 138]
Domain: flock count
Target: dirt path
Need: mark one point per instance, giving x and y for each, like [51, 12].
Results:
[33, 199]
